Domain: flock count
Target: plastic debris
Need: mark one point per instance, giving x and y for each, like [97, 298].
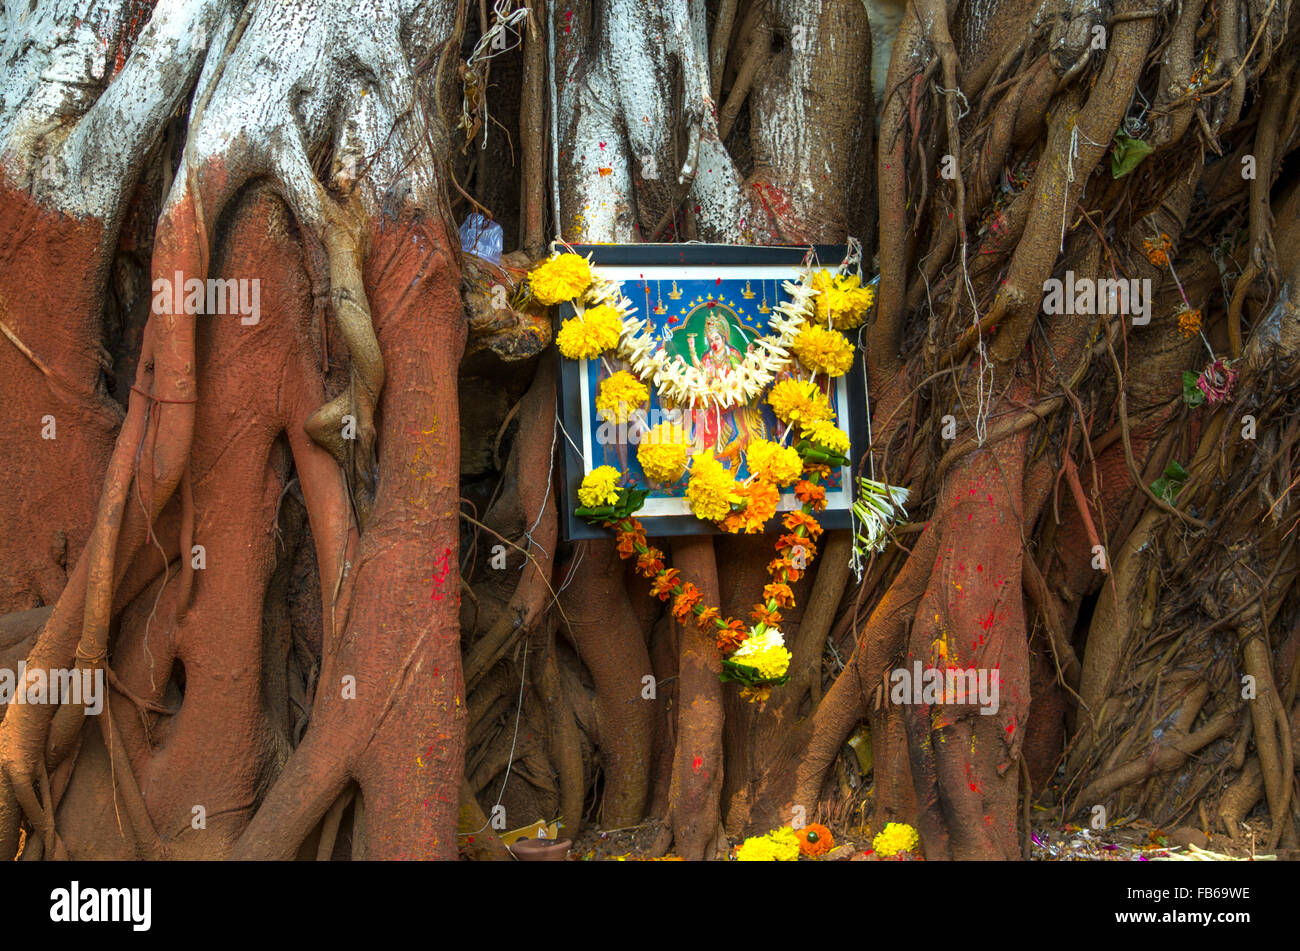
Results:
[481, 237]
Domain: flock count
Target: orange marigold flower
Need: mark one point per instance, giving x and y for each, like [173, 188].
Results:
[731, 635]
[662, 587]
[1189, 322]
[816, 467]
[761, 499]
[631, 533]
[651, 563]
[810, 493]
[708, 618]
[686, 600]
[793, 520]
[793, 542]
[814, 839]
[1157, 249]
[761, 615]
[783, 569]
[780, 593]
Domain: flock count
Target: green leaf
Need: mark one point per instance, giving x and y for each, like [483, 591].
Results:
[733, 672]
[629, 501]
[1169, 484]
[1192, 394]
[1127, 154]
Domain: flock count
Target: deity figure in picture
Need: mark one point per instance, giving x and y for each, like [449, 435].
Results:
[727, 431]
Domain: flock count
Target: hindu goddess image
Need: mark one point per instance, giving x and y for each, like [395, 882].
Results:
[726, 431]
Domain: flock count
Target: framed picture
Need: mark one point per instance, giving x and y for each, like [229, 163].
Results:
[708, 305]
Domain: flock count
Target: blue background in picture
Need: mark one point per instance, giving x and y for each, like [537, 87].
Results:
[724, 322]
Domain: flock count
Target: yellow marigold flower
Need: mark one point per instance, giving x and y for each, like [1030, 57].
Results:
[764, 652]
[711, 489]
[772, 462]
[599, 487]
[760, 499]
[822, 350]
[559, 278]
[1189, 322]
[841, 300]
[799, 401]
[827, 435]
[779, 846]
[590, 334]
[619, 395]
[663, 453]
[896, 837]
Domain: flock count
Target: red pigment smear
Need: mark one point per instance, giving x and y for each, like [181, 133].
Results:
[697, 763]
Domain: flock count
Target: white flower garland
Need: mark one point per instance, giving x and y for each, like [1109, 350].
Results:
[679, 382]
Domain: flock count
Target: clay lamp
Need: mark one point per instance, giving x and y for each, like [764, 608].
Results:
[541, 850]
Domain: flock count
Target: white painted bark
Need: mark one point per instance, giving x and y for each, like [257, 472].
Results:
[636, 96]
[70, 131]
[619, 89]
[301, 76]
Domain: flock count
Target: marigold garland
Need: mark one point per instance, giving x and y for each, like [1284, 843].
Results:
[807, 326]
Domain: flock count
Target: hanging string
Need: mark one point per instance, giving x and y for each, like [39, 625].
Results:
[519, 708]
[550, 467]
[492, 43]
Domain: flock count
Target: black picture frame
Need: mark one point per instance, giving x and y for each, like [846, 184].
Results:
[569, 400]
